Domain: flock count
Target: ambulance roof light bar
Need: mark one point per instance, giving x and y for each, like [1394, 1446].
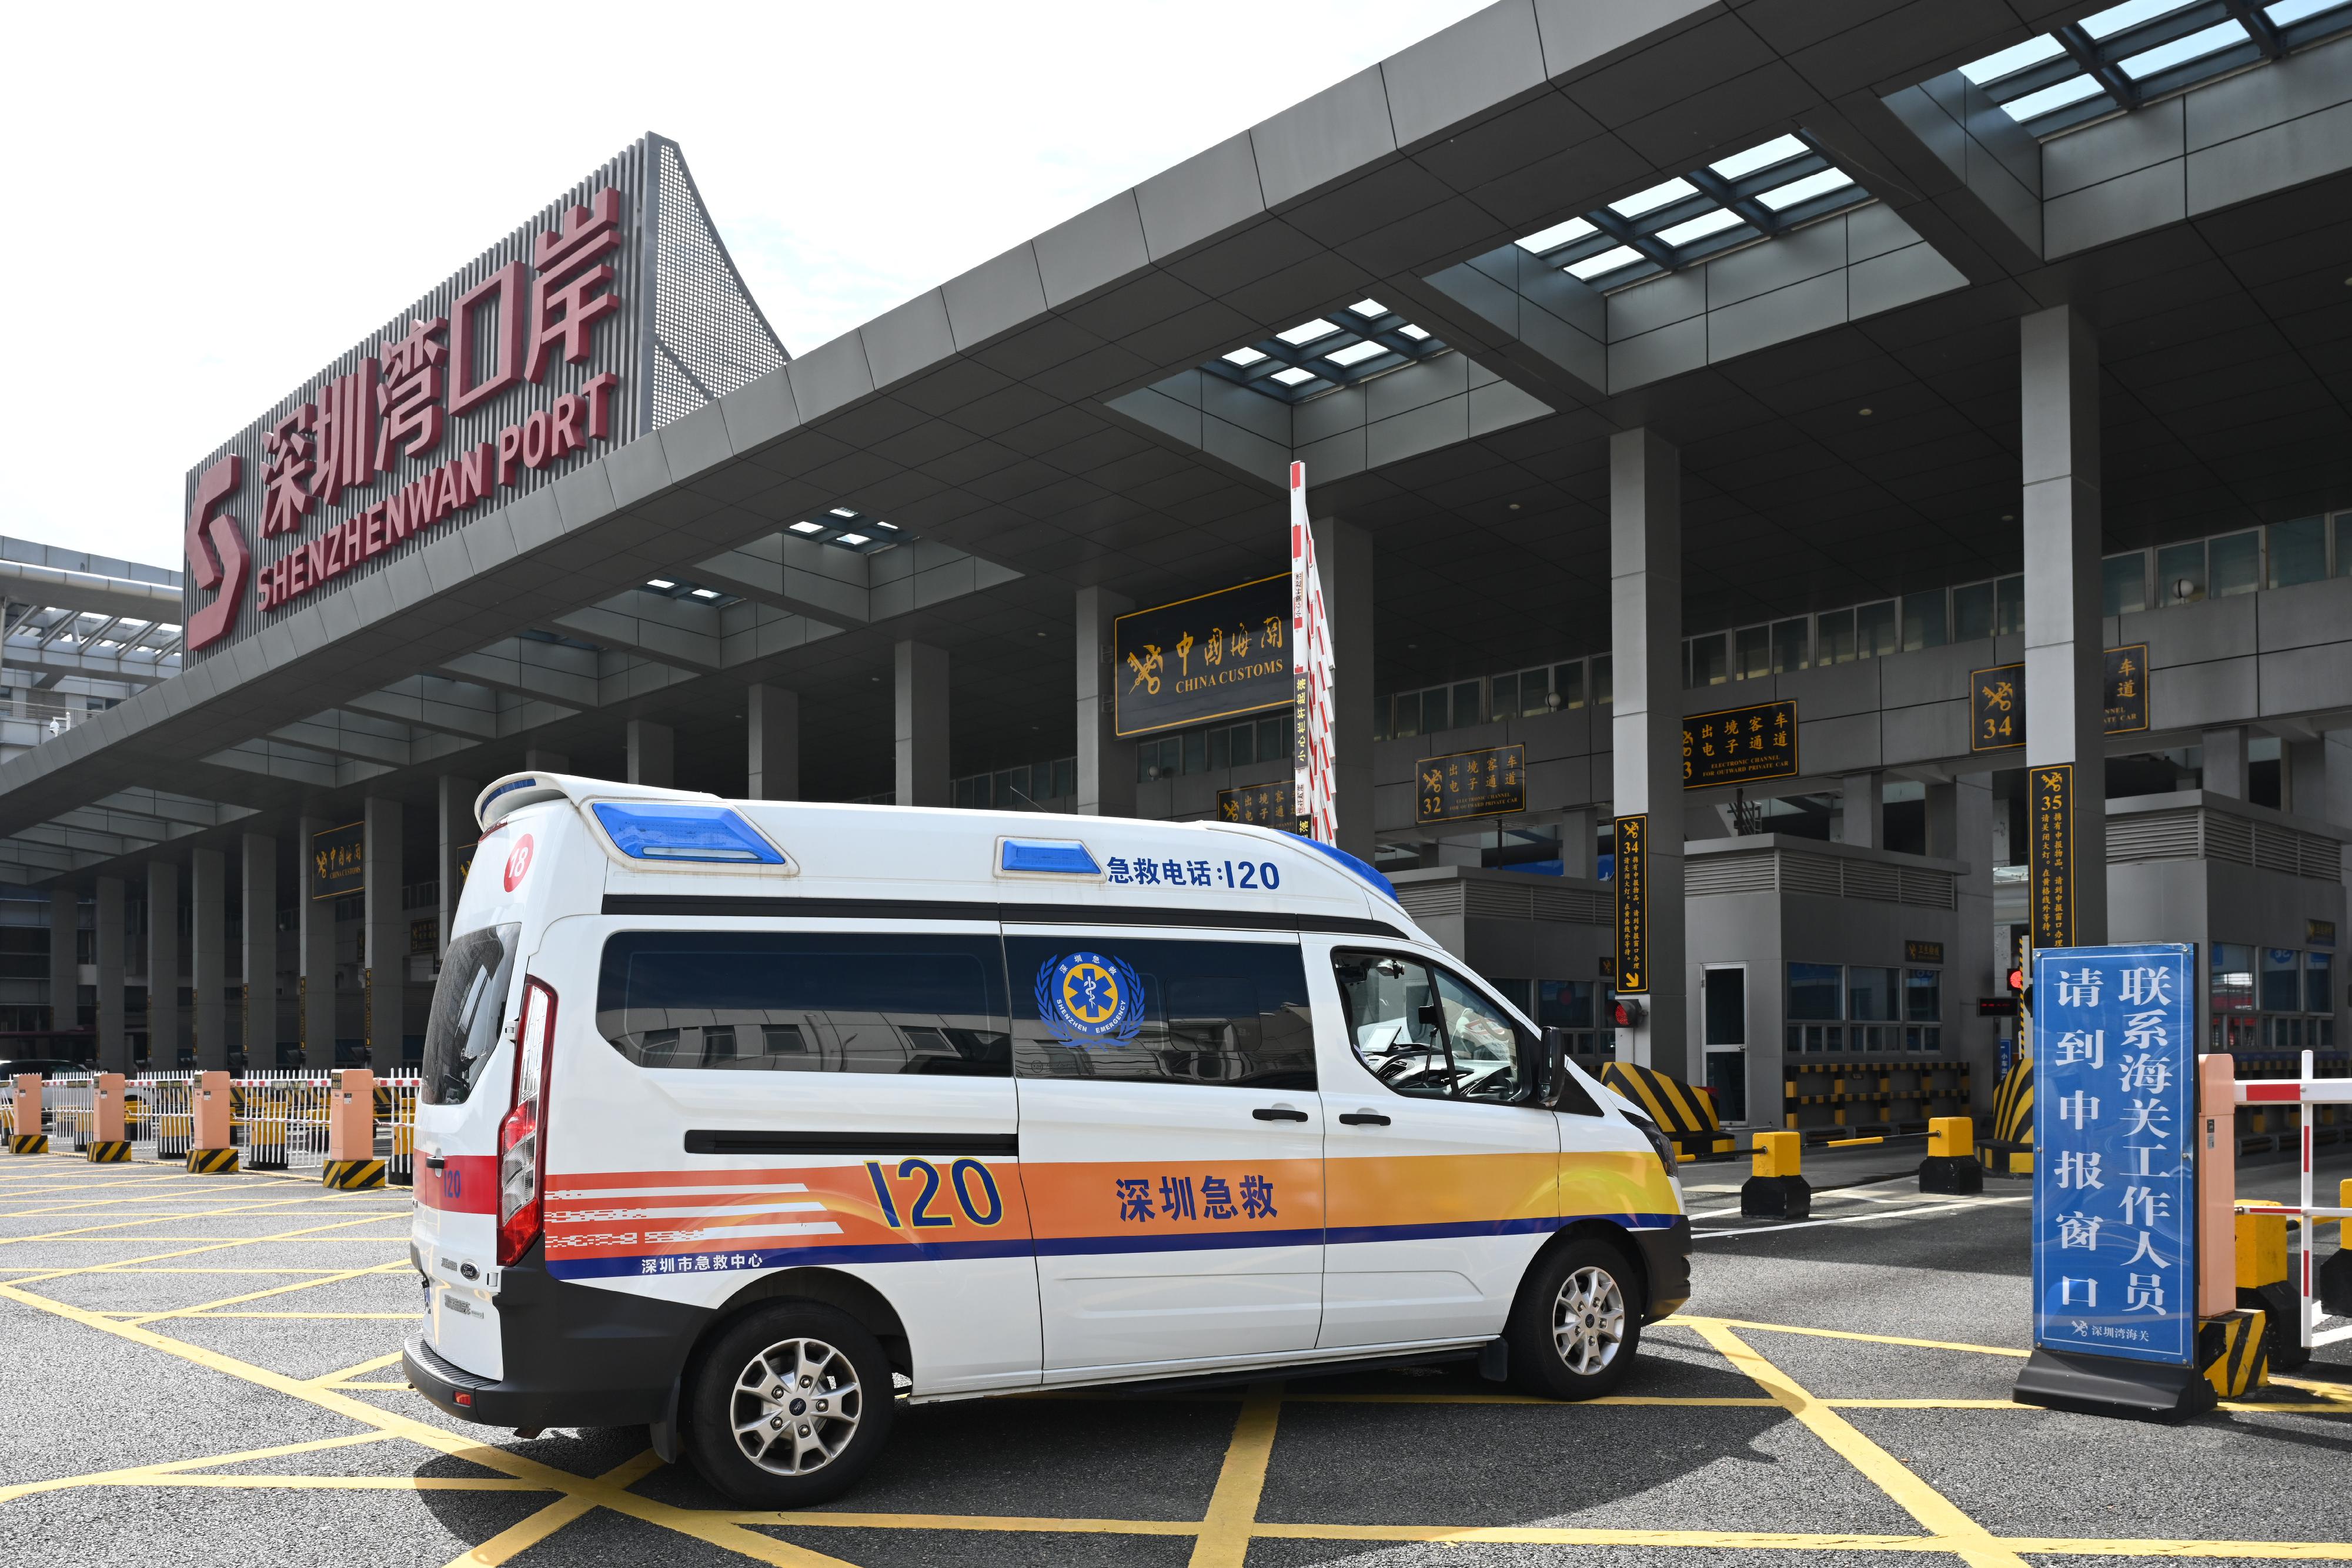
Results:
[678, 831]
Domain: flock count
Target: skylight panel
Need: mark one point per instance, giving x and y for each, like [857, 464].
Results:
[665, 584]
[1357, 353]
[1701, 226]
[1307, 331]
[1415, 333]
[2164, 56]
[808, 527]
[2073, 89]
[1293, 376]
[712, 593]
[1779, 150]
[2014, 58]
[878, 523]
[1657, 196]
[1557, 236]
[1783, 197]
[2130, 14]
[844, 511]
[851, 539]
[2291, 11]
[1244, 357]
[1369, 309]
[1592, 267]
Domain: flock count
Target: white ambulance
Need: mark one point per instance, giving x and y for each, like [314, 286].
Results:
[749, 1120]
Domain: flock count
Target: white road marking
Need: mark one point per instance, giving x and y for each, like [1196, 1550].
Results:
[1857, 1219]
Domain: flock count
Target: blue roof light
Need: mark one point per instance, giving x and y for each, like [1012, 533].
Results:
[660, 831]
[1066, 856]
[511, 784]
[1386, 888]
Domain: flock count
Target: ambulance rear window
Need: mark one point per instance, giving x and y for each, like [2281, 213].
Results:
[469, 1004]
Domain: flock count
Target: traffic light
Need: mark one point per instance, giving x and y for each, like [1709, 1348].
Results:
[2021, 990]
[1630, 1013]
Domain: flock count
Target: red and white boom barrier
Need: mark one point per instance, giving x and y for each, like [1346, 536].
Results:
[2305, 1090]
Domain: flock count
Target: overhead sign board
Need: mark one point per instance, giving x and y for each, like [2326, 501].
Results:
[1997, 699]
[1491, 781]
[2114, 1200]
[339, 861]
[1260, 805]
[1216, 655]
[613, 311]
[1740, 745]
[1633, 905]
[2050, 857]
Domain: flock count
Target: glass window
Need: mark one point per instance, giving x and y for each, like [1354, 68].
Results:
[1466, 708]
[1065, 776]
[1434, 711]
[1870, 993]
[1221, 748]
[1972, 612]
[2236, 563]
[1603, 679]
[1923, 996]
[2298, 552]
[1874, 629]
[1752, 652]
[1833, 637]
[1244, 744]
[2343, 539]
[1923, 620]
[1274, 738]
[1521, 994]
[1706, 661]
[791, 1002]
[2230, 984]
[2009, 612]
[470, 1006]
[2122, 583]
[1788, 649]
[1196, 752]
[2318, 991]
[1567, 680]
[2282, 980]
[1726, 1080]
[2180, 573]
[1212, 1014]
[1487, 1048]
[1506, 695]
[1535, 691]
[1564, 1004]
[1391, 1013]
[1816, 991]
[1725, 999]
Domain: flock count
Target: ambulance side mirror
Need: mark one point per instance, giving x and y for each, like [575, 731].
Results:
[1551, 1080]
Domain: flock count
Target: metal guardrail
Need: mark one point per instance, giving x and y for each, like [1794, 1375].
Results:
[279, 1120]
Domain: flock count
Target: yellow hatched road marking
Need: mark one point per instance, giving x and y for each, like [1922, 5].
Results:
[210, 1309]
[1224, 1536]
[131, 1475]
[1699, 1324]
[307, 1233]
[528, 1532]
[353, 1371]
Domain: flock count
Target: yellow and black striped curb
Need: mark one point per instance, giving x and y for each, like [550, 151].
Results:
[212, 1162]
[106, 1152]
[2010, 1150]
[352, 1175]
[1686, 1116]
[28, 1143]
[2234, 1351]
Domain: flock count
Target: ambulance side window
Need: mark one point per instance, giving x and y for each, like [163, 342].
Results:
[1220, 1014]
[788, 1002]
[1425, 1031]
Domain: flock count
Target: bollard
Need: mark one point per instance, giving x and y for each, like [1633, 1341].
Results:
[107, 1145]
[2234, 1351]
[211, 1143]
[2263, 1284]
[2336, 1274]
[1951, 1163]
[1777, 1190]
[28, 1115]
[352, 1165]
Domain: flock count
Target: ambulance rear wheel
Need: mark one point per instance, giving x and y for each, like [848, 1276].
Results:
[1576, 1324]
[789, 1406]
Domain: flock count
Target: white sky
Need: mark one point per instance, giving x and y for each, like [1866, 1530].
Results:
[216, 200]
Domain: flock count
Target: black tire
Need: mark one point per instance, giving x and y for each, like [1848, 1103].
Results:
[821, 1429]
[1586, 1351]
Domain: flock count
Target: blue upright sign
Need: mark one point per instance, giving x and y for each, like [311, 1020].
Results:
[2115, 1195]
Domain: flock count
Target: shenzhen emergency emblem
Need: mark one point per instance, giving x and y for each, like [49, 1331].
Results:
[1086, 997]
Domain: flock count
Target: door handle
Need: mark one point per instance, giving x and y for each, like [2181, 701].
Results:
[1362, 1119]
[434, 1162]
[1278, 1113]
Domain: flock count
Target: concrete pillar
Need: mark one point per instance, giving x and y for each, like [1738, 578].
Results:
[1105, 763]
[162, 966]
[453, 801]
[2064, 667]
[1343, 558]
[260, 878]
[538, 761]
[2225, 761]
[921, 674]
[1863, 806]
[113, 1035]
[772, 725]
[653, 753]
[2337, 780]
[1645, 635]
[64, 956]
[1576, 845]
[384, 969]
[2302, 777]
[1960, 828]
[315, 987]
[208, 955]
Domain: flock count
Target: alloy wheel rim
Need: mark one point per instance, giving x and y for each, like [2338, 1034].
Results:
[1588, 1320]
[796, 1407]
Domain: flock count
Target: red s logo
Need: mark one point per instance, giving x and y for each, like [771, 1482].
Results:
[218, 558]
[519, 863]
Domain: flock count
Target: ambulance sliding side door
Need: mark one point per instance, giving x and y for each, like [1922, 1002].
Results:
[1171, 1141]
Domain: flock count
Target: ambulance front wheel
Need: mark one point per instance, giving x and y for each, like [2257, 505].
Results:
[789, 1406]
[1576, 1324]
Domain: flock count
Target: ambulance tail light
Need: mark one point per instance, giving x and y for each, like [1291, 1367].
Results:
[522, 1136]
